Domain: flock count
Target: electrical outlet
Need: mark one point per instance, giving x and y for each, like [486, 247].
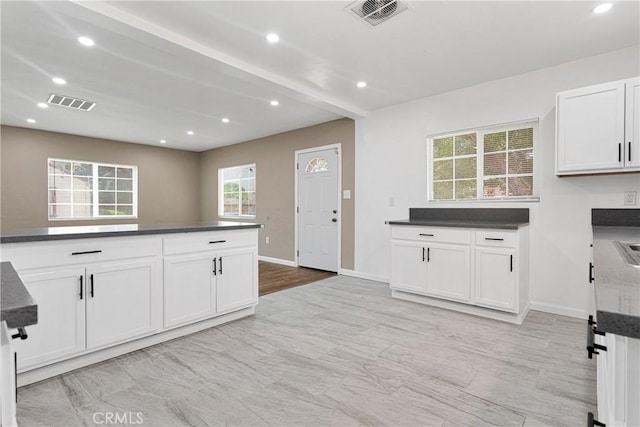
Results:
[392, 201]
[266, 240]
[630, 198]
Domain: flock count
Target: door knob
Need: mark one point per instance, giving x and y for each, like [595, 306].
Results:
[334, 219]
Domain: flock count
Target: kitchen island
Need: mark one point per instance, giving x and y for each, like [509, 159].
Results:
[107, 290]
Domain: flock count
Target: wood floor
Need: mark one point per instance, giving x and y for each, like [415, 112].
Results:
[276, 277]
[339, 352]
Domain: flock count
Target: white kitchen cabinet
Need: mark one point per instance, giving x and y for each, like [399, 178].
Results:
[408, 266]
[189, 288]
[221, 277]
[448, 271]
[123, 300]
[7, 379]
[60, 331]
[479, 271]
[597, 129]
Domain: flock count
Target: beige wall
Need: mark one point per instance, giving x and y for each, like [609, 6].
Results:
[168, 180]
[274, 157]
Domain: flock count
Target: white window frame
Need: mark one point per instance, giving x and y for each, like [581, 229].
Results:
[95, 209]
[480, 132]
[221, 213]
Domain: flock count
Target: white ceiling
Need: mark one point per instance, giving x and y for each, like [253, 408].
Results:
[161, 68]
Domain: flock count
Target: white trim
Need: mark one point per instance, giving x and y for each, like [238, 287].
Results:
[277, 261]
[52, 370]
[560, 310]
[337, 146]
[361, 275]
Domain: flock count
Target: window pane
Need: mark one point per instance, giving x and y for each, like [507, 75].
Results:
[249, 172]
[442, 169]
[82, 211]
[60, 181]
[230, 187]
[521, 186]
[106, 197]
[124, 172]
[443, 147]
[317, 164]
[106, 184]
[465, 144]
[106, 210]
[125, 210]
[466, 168]
[521, 162]
[230, 174]
[107, 171]
[83, 169]
[495, 187]
[84, 184]
[60, 211]
[83, 197]
[521, 138]
[59, 196]
[231, 206]
[124, 198]
[124, 184]
[495, 142]
[61, 167]
[249, 184]
[495, 164]
[443, 190]
[249, 203]
[466, 189]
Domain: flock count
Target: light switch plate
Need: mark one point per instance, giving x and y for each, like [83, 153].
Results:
[346, 194]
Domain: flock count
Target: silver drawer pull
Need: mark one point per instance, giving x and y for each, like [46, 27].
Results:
[426, 235]
[494, 239]
[217, 241]
[86, 252]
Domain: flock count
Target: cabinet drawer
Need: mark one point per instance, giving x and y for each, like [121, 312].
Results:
[208, 241]
[432, 234]
[80, 251]
[507, 239]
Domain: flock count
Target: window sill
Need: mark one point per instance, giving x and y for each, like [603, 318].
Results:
[95, 218]
[501, 200]
[237, 217]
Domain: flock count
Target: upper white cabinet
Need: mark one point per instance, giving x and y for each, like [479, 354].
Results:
[597, 128]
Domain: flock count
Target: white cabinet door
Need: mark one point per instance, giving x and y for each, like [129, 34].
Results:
[124, 301]
[236, 279]
[408, 266]
[189, 288]
[60, 331]
[632, 123]
[496, 279]
[448, 271]
[590, 128]
[7, 379]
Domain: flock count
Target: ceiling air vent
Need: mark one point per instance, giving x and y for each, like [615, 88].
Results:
[377, 11]
[68, 101]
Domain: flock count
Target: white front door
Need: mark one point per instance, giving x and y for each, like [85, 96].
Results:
[318, 203]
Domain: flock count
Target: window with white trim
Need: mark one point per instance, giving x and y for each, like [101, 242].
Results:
[86, 190]
[237, 191]
[484, 164]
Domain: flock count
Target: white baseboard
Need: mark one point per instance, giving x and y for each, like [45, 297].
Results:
[361, 275]
[277, 261]
[557, 309]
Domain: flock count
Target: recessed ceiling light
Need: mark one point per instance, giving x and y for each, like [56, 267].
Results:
[225, 120]
[85, 41]
[275, 103]
[189, 132]
[273, 38]
[163, 141]
[31, 120]
[59, 81]
[43, 105]
[361, 84]
[604, 7]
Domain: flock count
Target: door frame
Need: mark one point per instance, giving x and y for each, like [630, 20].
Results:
[337, 146]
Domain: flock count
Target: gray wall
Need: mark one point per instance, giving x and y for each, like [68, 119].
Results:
[168, 180]
[274, 157]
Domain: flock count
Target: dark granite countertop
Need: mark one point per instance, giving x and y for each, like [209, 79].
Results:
[17, 308]
[118, 230]
[617, 284]
[500, 218]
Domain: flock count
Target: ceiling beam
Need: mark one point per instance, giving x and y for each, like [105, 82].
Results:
[297, 90]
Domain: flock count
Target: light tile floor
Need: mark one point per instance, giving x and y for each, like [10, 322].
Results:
[338, 352]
